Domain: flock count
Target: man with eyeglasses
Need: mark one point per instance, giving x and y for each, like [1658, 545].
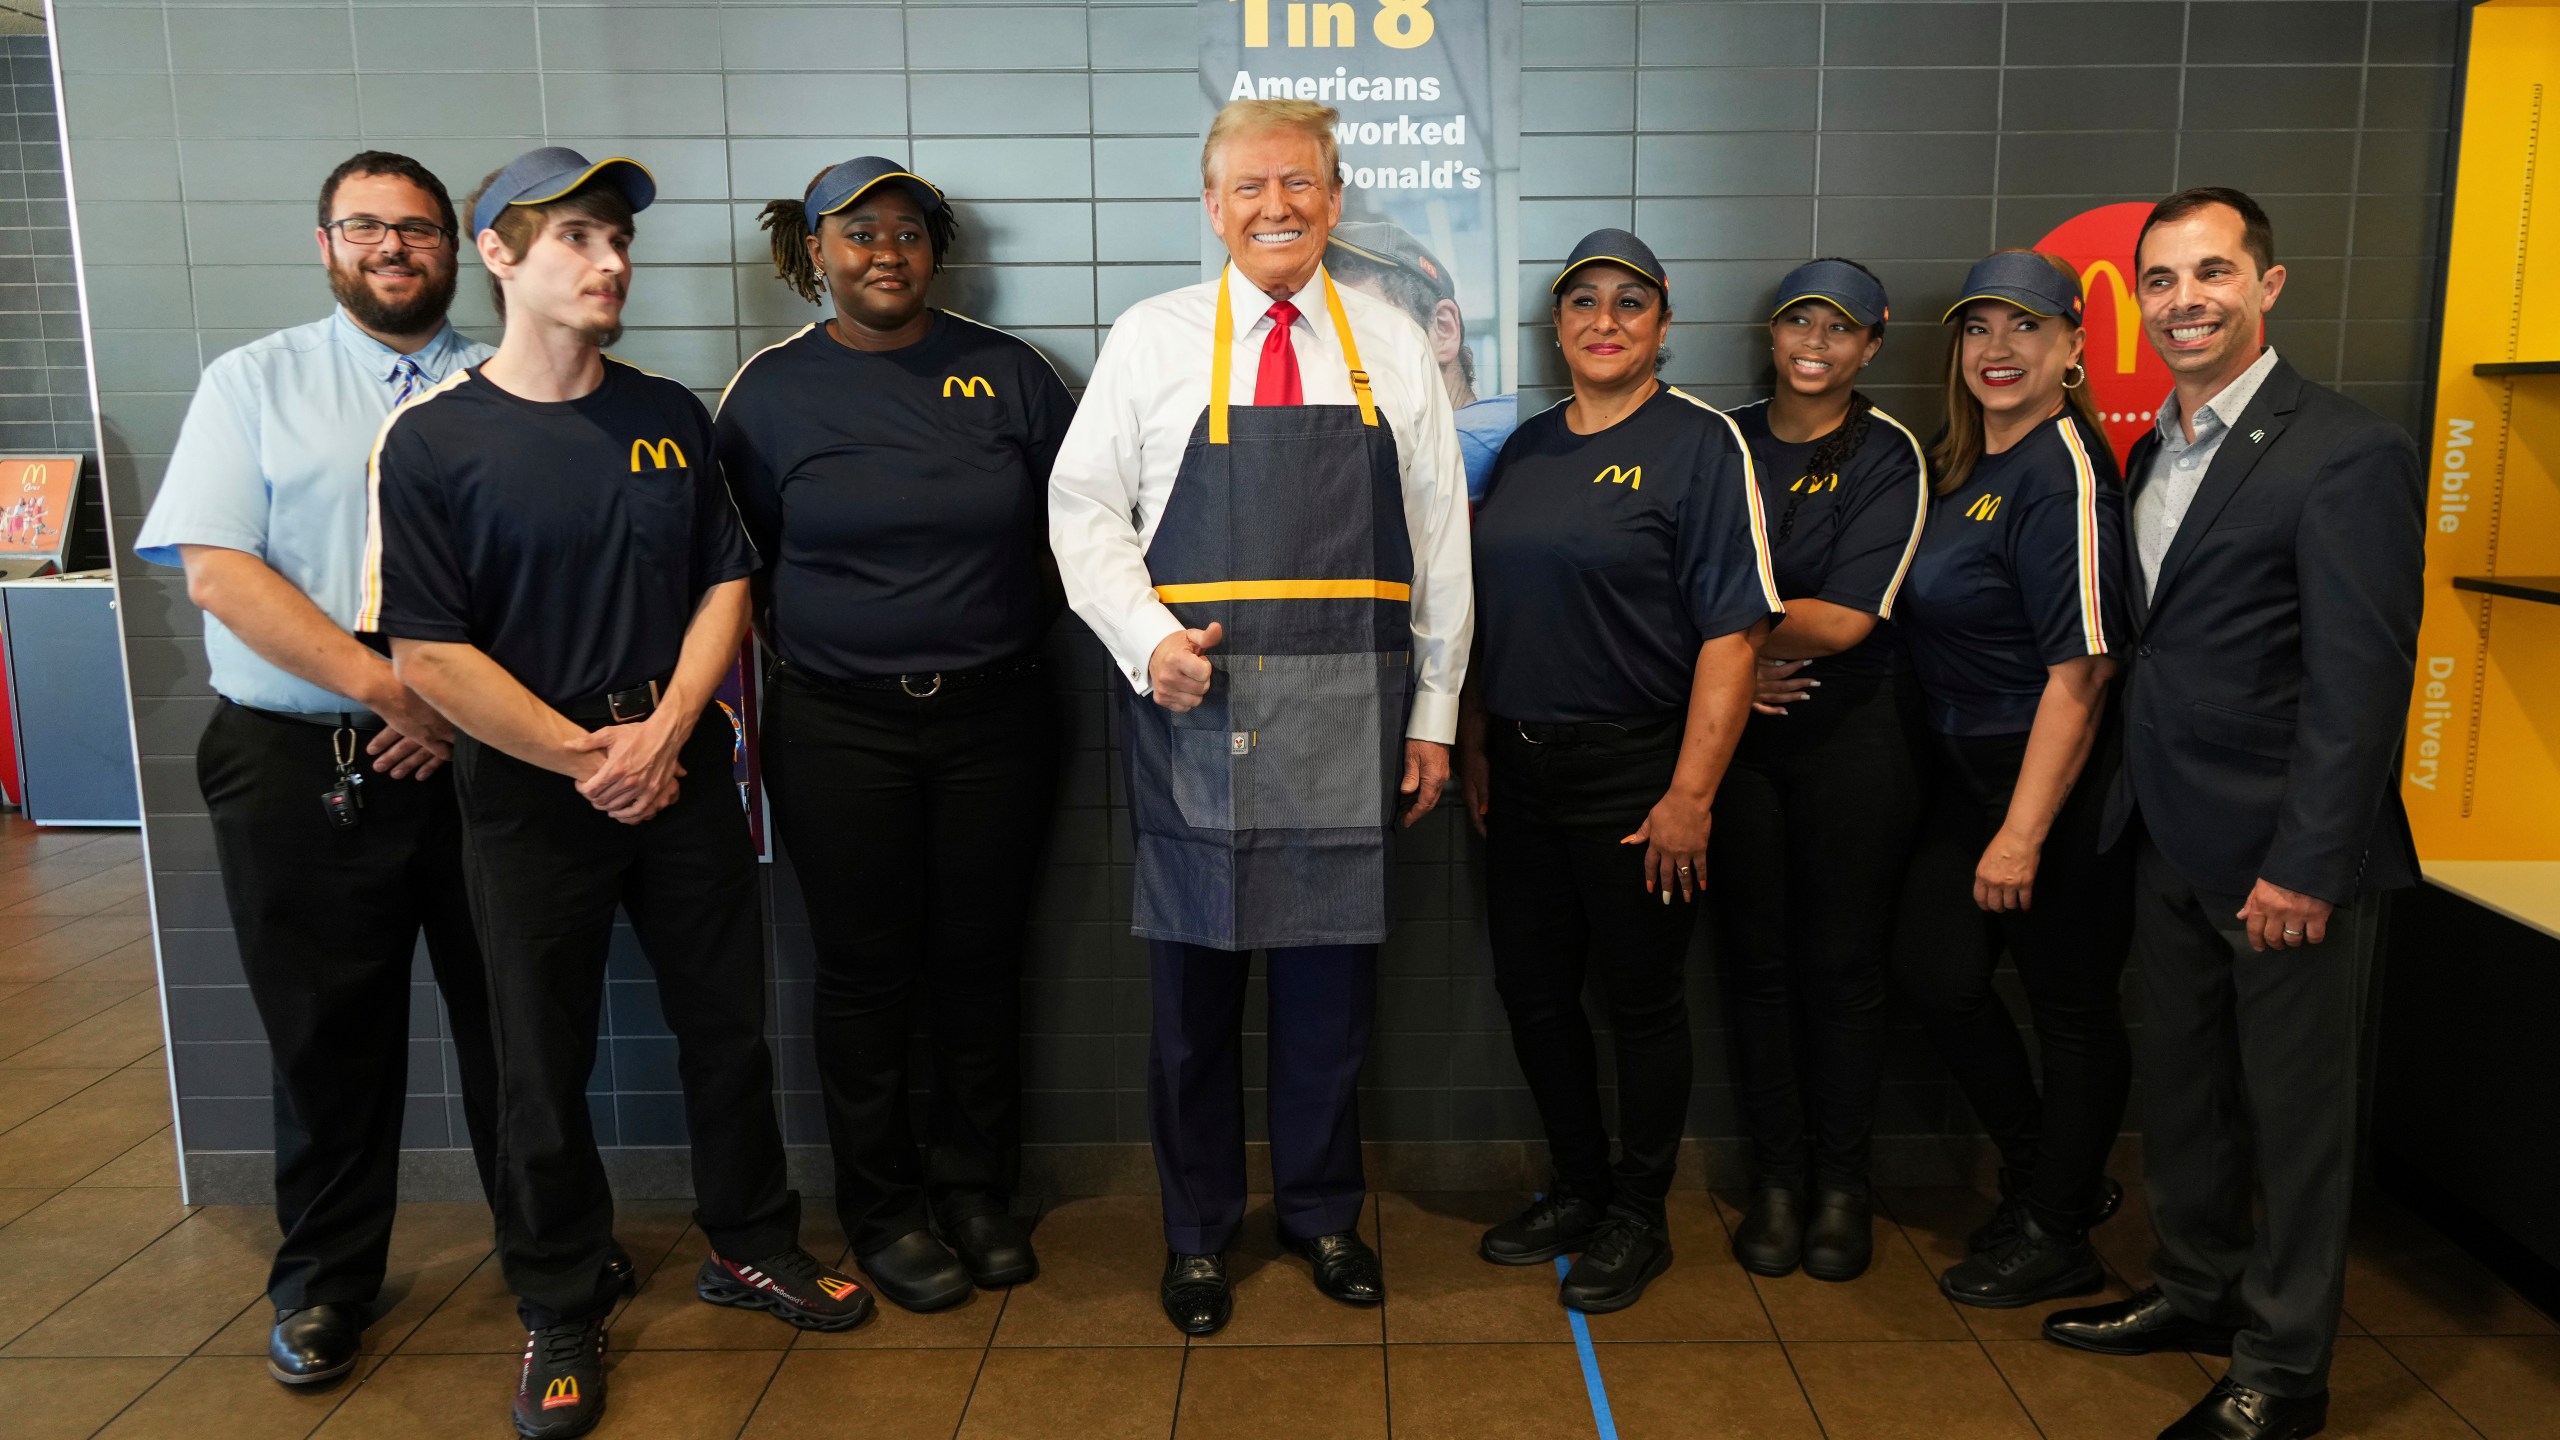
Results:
[333, 818]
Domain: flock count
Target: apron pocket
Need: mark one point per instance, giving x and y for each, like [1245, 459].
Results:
[1206, 776]
[1317, 728]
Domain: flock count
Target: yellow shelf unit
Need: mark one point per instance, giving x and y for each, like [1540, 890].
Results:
[2482, 770]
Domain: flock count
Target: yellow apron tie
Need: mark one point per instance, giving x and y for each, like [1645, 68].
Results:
[1222, 363]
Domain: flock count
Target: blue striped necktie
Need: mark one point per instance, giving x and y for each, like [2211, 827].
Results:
[406, 374]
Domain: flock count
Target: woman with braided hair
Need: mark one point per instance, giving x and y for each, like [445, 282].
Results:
[892, 465]
[1817, 812]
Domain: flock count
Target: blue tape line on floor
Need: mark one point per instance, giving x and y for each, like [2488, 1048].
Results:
[1601, 1419]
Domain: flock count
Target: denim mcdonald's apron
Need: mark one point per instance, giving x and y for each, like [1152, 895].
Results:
[1262, 817]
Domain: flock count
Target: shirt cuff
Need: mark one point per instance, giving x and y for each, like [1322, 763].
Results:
[1434, 718]
[1144, 625]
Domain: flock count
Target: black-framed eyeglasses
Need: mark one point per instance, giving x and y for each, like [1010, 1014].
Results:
[365, 230]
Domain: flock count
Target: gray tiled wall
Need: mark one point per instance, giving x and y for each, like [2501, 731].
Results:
[44, 378]
[1736, 137]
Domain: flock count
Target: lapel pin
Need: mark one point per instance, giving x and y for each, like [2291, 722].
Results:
[2257, 435]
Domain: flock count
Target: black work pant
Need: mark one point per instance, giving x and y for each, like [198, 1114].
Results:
[1321, 1001]
[328, 922]
[547, 873]
[2247, 1056]
[916, 827]
[2069, 948]
[1564, 900]
[1813, 830]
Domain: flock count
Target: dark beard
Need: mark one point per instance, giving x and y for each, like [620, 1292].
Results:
[418, 317]
[604, 336]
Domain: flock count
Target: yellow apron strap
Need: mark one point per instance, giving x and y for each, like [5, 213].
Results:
[1221, 360]
[1350, 352]
[1220, 366]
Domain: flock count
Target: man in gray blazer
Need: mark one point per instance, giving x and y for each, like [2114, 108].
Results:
[2279, 533]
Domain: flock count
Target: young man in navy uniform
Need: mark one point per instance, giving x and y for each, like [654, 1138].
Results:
[562, 576]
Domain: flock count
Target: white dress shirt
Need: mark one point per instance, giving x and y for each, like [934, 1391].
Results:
[1150, 384]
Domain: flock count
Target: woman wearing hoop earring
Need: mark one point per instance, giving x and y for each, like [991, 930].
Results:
[2013, 609]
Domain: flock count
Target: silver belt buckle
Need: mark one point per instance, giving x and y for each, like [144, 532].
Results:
[925, 694]
[613, 705]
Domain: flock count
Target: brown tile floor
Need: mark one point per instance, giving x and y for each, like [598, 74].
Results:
[125, 1314]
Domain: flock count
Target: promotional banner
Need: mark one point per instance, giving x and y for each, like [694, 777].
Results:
[1429, 92]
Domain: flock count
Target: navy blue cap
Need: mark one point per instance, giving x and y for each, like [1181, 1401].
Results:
[538, 177]
[1612, 247]
[856, 178]
[1384, 243]
[2025, 279]
[1837, 283]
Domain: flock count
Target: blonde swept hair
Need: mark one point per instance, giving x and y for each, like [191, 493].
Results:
[1960, 445]
[1239, 118]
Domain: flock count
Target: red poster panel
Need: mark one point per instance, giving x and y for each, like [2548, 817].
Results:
[2126, 376]
[37, 493]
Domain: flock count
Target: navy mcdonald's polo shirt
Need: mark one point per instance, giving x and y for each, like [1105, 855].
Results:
[2021, 568]
[900, 497]
[1604, 561]
[1845, 537]
[570, 541]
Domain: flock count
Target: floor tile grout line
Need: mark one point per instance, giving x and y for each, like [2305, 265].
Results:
[2384, 1346]
[159, 1235]
[156, 1383]
[67, 1099]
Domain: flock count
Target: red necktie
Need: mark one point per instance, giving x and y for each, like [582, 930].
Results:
[1276, 383]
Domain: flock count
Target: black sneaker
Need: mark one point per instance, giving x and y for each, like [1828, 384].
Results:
[2003, 1224]
[2032, 1264]
[560, 1391]
[792, 1285]
[1622, 1258]
[1553, 1225]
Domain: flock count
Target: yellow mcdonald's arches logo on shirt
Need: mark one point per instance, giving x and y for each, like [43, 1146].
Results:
[1816, 484]
[1983, 507]
[1629, 475]
[967, 385]
[659, 453]
[563, 1391]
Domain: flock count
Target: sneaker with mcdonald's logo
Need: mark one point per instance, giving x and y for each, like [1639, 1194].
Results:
[792, 1285]
[560, 1391]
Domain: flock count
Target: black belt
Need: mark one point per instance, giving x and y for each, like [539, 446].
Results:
[621, 707]
[1590, 732]
[362, 721]
[918, 686]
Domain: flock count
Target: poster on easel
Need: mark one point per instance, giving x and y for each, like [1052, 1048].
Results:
[37, 496]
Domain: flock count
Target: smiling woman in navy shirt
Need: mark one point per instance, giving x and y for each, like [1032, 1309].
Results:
[892, 462]
[2013, 612]
[1816, 814]
[1622, 585]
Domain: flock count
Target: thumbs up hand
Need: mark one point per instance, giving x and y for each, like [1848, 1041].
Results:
[1179, 670]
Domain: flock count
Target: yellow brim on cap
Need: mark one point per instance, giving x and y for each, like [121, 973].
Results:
[1362, 251]
[2003, 299]
[1825, 299]
[583, 177]
[883, 180]
[1605, 260]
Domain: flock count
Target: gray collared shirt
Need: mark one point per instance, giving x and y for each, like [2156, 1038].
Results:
[2179, 465]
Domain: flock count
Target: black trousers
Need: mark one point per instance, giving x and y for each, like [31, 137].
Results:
[917, 828]
[1321, 1001]
[547, 873]
[328, 922]
[2069, 947]
[1813, 831]
[2247, 1056]
[1565, 901]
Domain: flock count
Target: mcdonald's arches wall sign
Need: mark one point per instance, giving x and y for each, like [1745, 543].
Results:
[2126, 376]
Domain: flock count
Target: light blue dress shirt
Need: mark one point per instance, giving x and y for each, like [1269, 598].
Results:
[272, 461]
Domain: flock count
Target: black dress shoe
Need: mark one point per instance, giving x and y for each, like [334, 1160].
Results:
[1770, 1239]
[917, 1273]
[2140, 1325]
[1346, 1268]
[619, 1269]
[1614, 1268]
[2013, 1188]
[993, 1246]
[1553, 1225]
[1839, 1241]
[2235, 1412]
[1195, 1294]
[316, 1344]
[2032, 1265]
